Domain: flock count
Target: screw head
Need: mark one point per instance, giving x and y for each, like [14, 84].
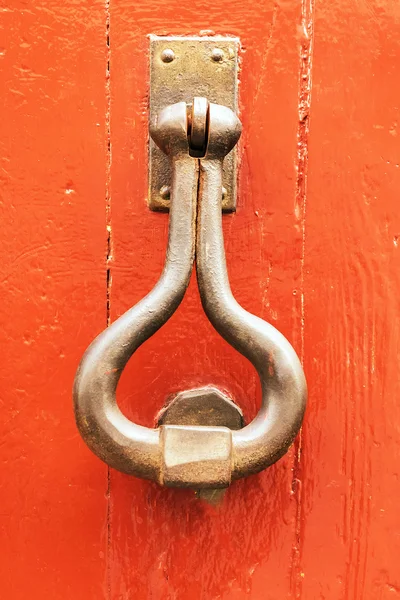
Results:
[217, 55]
[167, 55]
[165, 192]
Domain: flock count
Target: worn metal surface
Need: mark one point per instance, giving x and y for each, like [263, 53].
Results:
[264, 440]
[206, 406]
[196, 457]
[116, 440]
[191, 456]
[201, 406]
[191, 71]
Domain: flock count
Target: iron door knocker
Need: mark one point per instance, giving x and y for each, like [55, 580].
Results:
[199, 452]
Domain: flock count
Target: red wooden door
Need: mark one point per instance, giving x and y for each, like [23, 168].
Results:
[313, 248]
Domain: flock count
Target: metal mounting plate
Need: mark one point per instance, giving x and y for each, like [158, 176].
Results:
[180, 69]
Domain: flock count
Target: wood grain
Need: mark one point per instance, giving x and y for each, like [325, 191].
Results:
[350, 519]
[52, 153]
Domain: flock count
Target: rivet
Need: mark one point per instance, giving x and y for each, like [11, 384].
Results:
[165, 192]
[167, 55]
[224, 193]
[217, 55]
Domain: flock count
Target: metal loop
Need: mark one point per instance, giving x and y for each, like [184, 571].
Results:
[128, 447]
[284, 390]
[156, 453]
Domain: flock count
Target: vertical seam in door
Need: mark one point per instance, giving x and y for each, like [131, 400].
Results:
[304, 103]
[108, 266]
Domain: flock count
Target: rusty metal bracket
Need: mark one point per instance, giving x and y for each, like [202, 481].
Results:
[180, 69]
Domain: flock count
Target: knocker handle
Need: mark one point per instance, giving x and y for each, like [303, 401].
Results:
[124, 445]
[203, 455]
[269, 435]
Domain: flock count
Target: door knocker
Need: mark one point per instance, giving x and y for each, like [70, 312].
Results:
[191, 449]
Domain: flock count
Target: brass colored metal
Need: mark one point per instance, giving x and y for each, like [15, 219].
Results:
[198, 453]
[196, 457]
[195, 66]
[284, 391]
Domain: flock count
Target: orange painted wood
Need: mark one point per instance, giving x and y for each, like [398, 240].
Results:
[313, 248]
[350, 517]
[52, 171]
